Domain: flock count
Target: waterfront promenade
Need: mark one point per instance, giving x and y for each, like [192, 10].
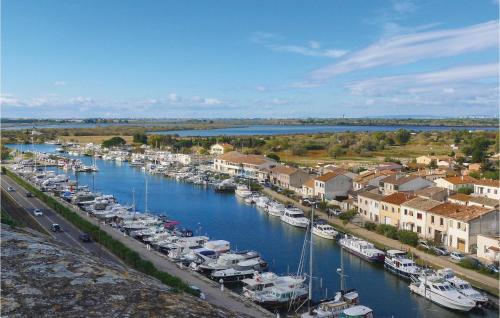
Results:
[211, 289]
[479, 280]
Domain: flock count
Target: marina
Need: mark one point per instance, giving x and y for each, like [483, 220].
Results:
[223, 216]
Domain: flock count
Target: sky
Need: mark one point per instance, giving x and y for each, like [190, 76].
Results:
[251, 59]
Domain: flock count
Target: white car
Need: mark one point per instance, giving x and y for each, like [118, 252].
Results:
[10, 189]
[456, 256]
[201, 294]
[37, 212]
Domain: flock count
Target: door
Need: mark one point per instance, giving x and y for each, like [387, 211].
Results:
[461, 245]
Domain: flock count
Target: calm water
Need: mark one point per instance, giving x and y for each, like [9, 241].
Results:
[304, 129]
[223, 216]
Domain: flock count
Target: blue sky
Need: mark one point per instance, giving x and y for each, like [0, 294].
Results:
[211, 59]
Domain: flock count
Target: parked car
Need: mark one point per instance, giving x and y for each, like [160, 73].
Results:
[84, 237]
[493, 268]
[37, 212]
[440, 250]
[55, 227]
[457, 256]
[200, 293]
[424, 244]
[10, 189]
[334, 212]
[29, 194]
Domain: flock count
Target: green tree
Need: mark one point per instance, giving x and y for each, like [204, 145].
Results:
[140, 138]
[113, 142]
[402, 136]
[336, 151]
[466, 190]
[273, 156]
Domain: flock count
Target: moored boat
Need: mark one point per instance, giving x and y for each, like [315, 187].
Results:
[361, 248]
[397, 262]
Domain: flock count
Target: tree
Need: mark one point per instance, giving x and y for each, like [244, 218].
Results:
[299, 150]
[466, 190]
[140, 138]
[336, 151]
[433, 164]
[273, 156]
[113, 142]
[402, 136]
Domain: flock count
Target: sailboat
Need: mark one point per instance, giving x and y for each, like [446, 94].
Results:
[344, 304]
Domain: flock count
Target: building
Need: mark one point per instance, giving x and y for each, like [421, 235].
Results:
[414, 215]
[369, 205]
[427, 160]
[487, 188]
[430, 174]
[367, 178]
[459, 198]
[488, 248]
[465, 223]
[434, 193]
[235, 163]
[332, 185]
[288, 177]
[398, 183]
[456, 183]
[390, 208]
[308, 189]
[220, 149]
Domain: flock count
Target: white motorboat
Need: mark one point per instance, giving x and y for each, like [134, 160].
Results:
[275, 208]
[219, 246]
[261, 281]
[462, 286]
[240, 271]
[295, 217]
[397, 262]
[261, 202]
[280, 296]
[362, 249]
[335, 307]
[358, 312]
[242, 191]
[324, 230]
[225, 261]
[440, 291]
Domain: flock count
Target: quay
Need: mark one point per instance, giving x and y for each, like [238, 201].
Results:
[211, 289]
[478, 280]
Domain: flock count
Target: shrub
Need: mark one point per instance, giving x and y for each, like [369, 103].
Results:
[370, 226]
[348, 215]
[408, 237]
[273, 156]
[387, 230]
[466, 190]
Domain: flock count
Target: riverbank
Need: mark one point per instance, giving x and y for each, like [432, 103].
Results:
[489, 284]
[211, 289]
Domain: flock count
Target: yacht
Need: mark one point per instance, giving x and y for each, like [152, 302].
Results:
[275, 208]
[261, 202]
[357, 312]
[397, 262]
[242, 191]
[462, 286]
[295, 217]
[440, 291]
[240, 271]
[261, 281]
[280, 296]
[334, 308]
[362, 249]
[324, 230]
[225, 261]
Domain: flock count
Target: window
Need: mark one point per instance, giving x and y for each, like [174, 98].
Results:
[432, 219]
[392, 209]
[419, 229]
[406, 211]
[419, 216]
[451, 223]
[441, 221]
[458, 225]
[429, 230]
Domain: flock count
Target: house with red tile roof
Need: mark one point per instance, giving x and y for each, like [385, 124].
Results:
[488, 188]
[456, 183]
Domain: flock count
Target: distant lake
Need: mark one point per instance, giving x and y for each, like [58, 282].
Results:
[305, 129]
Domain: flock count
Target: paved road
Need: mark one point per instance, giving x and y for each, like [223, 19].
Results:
[69, 234]
[213, 294]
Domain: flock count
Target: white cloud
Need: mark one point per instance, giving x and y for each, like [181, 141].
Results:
[211, 101]
[261, 88]
[59, 83]
[313, 48]
[404, 6]
[411, 48]
[173, 97]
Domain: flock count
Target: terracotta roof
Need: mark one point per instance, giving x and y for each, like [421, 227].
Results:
[460, 197]
[309, 183]
[398, 180]
[370, 195]
[330, 175]
[238, 158]
[488, 202]
[367, 177]
[430, 191]
[397, 198]
[461, 180]
[460, 212]
[283, 169]
[422, 204]
[488, 183]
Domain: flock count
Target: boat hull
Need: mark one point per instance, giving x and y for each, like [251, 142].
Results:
[398, 272]
[439, 299]
[373, 259]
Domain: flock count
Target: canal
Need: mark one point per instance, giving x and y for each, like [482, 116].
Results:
[223, 216]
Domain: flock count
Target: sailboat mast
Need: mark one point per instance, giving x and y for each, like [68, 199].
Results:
[310, 262]
[146, 198]
[342, 280]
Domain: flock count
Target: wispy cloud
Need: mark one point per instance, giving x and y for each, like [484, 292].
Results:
[313, 48]
[411, 48]
[59, 83]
